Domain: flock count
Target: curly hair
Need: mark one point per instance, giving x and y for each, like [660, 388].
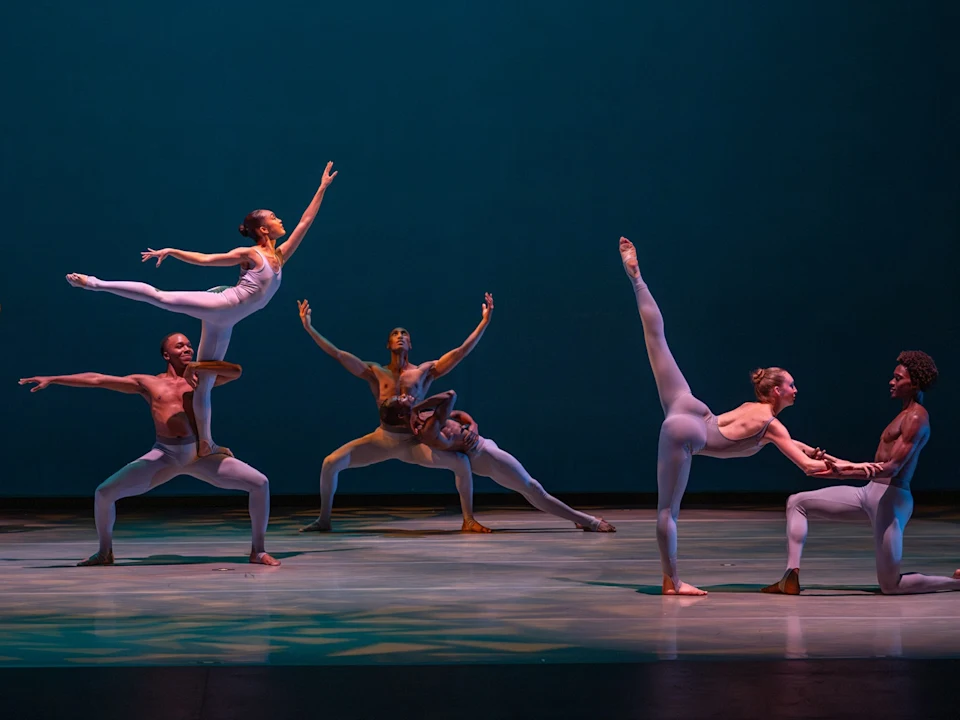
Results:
[923, 371]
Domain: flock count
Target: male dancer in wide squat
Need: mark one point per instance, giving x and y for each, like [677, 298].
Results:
[396, 386]
[886, 501]
[170, 396]
[447, 429]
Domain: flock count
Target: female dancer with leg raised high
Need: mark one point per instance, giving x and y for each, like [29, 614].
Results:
[689, 428]
[220, 308]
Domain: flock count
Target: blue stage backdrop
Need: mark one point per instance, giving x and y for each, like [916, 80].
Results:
[787, 170]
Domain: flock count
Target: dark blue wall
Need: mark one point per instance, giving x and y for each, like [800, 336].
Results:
[788, 171]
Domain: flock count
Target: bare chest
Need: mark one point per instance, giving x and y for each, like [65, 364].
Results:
[411, 381]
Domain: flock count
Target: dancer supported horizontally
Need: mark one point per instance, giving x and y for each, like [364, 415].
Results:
[886, 501]
[396, 386]
[690, 428]
[436, 424]
[170, 398]
[220, 308]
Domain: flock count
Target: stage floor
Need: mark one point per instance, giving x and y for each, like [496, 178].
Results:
[401, 587]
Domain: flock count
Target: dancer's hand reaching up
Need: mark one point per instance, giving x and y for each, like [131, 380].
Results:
[305, 314]
[486, 309]
[158, 254]
[328, 176]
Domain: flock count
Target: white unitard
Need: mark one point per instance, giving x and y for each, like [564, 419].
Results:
[887, 507]
[488, 460]
[382, 445]
[218, 309]
[168, 458]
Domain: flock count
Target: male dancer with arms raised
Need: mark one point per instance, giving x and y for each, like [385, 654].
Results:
[170, 396]
[437, 425]
[396, 386]
[886, 501]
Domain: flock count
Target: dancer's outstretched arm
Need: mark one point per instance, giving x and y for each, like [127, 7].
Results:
[226, 371]
[130, 384]
[814, 453]
[777, 434]
[451, 359]
[353, 364]
[289, 247]
[248, 253]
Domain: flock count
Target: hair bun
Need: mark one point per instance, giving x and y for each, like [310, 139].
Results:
[757, 375]
[243, 230]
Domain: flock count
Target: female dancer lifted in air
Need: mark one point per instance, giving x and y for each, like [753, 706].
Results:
[689, 427]
[220, 308]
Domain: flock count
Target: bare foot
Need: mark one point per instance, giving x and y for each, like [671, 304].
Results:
[604, 526]
[628, 254]
[262, 558]
[205, 448]
[472, 526]
[956, 574]
[77, 280]
[317, 526]
[684, 589]
[789, 584]
[97, 559]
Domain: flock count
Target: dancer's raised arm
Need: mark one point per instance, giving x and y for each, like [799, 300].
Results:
[352, 364]
[452, 358]
[289, 247]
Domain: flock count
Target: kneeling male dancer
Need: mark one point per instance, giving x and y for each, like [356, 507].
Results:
[455, 430]
[170, 396]
[886, 501]
[396, 386]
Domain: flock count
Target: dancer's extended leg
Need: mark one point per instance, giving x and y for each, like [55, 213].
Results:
[199, 304]
[232, 474]
[150, 470]
[670, 381]
[459, 464]
[504, 469]
[370, 449]
[682, 433]
[893, 508]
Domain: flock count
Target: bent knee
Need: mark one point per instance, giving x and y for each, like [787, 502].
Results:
[889, 583]
[795, 503]
[458, 462]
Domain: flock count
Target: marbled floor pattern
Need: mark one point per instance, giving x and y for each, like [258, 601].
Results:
[404, 587]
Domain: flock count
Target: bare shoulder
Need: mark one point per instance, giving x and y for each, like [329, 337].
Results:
[427, 367]
[777, 429]
[916, 420]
